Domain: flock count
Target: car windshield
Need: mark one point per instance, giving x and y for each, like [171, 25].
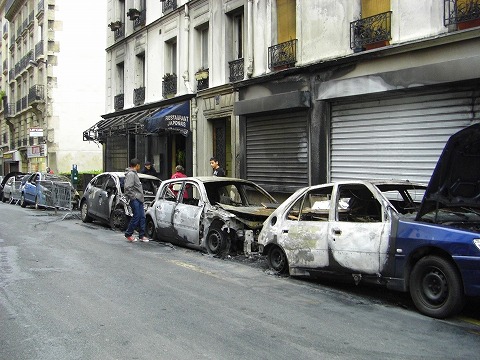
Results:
[405, 198]
[150, 186]
[236, 194]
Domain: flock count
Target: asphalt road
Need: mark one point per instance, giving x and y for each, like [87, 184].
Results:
[69, 290]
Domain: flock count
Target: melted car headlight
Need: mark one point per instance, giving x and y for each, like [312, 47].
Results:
[477, 243]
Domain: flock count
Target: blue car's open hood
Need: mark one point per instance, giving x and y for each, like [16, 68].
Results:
[456, 179]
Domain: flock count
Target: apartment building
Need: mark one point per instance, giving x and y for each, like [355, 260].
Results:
[289, 93]
[53, 70]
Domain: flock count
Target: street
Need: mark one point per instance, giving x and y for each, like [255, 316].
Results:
[70, 290]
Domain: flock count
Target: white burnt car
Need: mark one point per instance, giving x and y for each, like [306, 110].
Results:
[406, 236]
[104, 198]
[217, 214]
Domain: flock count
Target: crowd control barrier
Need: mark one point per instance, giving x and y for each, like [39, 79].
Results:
[54, 194]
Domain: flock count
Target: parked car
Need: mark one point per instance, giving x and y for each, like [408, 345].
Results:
[5, 179]
[104, 198]
[16, 181]
[38, 190]
[380, 232]
[217, 214]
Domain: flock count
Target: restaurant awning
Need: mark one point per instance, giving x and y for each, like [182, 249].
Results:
[174, 118]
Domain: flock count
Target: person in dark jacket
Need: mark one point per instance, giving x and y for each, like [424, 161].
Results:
[134, 193]
[149, 169]
[217, 170]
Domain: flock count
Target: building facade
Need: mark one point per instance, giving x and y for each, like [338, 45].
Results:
[289, 93]
[51, 86]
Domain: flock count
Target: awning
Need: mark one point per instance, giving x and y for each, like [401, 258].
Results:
[174, 118]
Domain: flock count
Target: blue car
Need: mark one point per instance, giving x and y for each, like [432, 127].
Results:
[38, 191]
[409, 237]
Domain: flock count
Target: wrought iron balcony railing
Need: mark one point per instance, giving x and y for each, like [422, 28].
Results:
[141, 20]
[119, 102]
[36, 93]
[169, 85]
[139, 96]
[282, 55]
[459, 11]
[9, 111]
[168, 6]
[202, 76]
[236, 70]
[370, 30]
[119, 33]
[39, 49]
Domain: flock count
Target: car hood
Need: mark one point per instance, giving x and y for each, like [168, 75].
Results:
[455, 182]
[252, 216]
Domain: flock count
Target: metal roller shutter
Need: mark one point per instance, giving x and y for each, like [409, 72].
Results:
[399, 138]
[277, 151]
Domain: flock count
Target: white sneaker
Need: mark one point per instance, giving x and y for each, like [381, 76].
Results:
[144, 239]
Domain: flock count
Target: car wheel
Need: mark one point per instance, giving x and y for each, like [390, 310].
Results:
[150, 229]
[118, 220]
[84, 213]
[277, 260]
[22, 201]
[436, 287]
[4, 199]
[217, 241]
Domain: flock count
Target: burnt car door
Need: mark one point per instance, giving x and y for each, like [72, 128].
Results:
[106, 195]
[188, 213]
[95, 194]
[305, 230]
[359, 233]
[164, 211]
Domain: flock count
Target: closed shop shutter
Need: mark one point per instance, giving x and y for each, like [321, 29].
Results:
[277, 151]
[397, 138]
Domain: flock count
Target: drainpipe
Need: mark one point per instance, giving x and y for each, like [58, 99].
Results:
[250, 38]
[186, 50]
[194, 110]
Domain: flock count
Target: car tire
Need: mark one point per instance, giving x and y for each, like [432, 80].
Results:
[22, 201]
[150, 229]
[4, 199]
[436, 287]
[118, 220]
[277, 260]
[84, 213]
[217, 242]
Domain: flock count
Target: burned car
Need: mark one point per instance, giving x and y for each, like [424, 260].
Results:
[408, 237]
[217, 214]
[104, 198]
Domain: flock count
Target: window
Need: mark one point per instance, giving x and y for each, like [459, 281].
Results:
[204, 47]
[171, 56]
[356, 203]
[313, 206]
[238, 36]
[286, 20]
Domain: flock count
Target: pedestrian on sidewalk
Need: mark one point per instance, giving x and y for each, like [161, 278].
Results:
[134, 193]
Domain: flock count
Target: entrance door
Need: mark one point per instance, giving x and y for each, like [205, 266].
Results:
[222, 144]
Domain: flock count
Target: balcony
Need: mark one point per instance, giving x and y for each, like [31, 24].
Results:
[168, 6]
[119, 102]
[36, 93]
[38, 49]
[236, 70]
[169, 85]
[141, 20]
[118, 28]
[9, 111]
[202, 76]
[371, 32]
[139, 96]
[282, 56]
[463, 13]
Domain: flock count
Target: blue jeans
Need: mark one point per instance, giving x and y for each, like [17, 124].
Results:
[137, 220]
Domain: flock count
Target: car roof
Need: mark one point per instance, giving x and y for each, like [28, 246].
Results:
[212, 179]
[122, 175]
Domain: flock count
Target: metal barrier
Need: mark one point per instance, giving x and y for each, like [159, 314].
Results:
[54, 194]
[16, 191]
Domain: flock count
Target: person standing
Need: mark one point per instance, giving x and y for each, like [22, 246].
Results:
[134, 193]
[149, 169]
[217, 170]
[180, 172]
